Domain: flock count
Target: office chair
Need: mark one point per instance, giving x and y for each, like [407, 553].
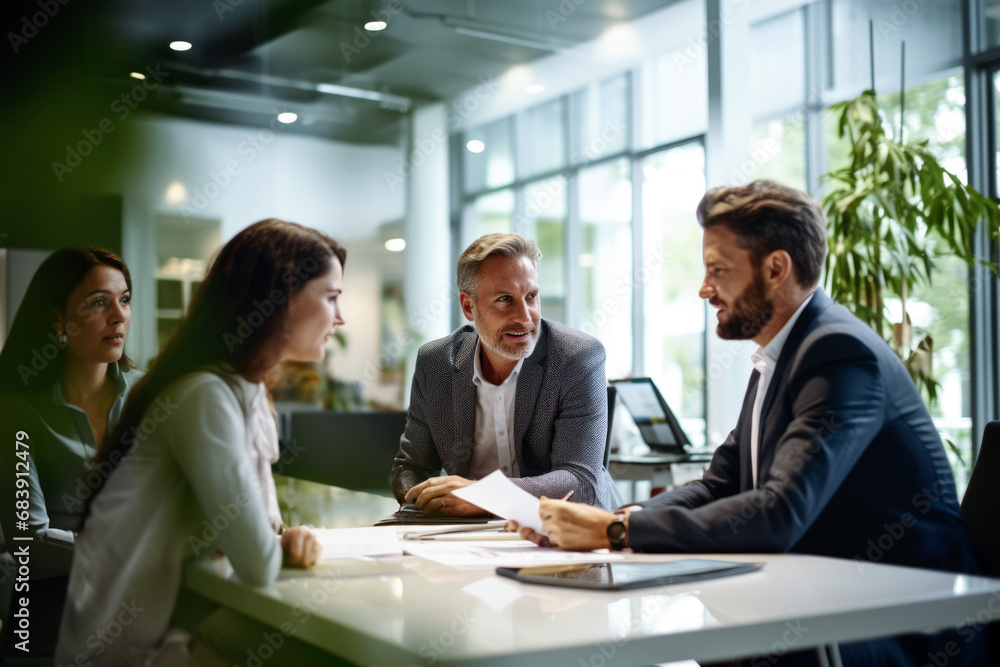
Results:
[982, 497]
[612, 396]
[981, 501]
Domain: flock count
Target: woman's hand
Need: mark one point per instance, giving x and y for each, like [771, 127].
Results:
[300, 546]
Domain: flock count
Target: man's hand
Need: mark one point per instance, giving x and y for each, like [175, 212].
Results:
[434, 497]
[300, 547]
[571, 526]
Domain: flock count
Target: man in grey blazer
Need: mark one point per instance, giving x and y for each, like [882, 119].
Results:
[510, 392]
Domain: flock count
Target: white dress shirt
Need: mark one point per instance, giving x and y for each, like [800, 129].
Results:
[494, 439]
[764, 360]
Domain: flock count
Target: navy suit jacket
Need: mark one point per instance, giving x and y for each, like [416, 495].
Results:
[849, 463]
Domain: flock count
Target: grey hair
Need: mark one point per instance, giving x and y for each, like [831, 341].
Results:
[502, 245]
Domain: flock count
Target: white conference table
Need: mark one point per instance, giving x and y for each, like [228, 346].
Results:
[408, 611]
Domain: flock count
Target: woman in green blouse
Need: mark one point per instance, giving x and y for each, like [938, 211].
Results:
[64, 376]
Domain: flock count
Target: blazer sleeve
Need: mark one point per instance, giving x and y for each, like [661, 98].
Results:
[417, 459]
[580, 431]
[837, 399]
[208, 439]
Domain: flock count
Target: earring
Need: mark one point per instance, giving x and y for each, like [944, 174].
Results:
[63, 338]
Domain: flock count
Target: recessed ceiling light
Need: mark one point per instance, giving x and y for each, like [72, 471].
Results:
[534, 89]
[395, 245]
[137, 75]
[287, 117]
[176, 193]
[475, 146]
[180, 45]
[375, 26]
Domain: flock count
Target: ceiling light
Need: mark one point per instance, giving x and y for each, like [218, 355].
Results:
[176, 193]
[475, 146]
[137, 75]
[395, 245]
[375, 26]
[534, 89]
[287, 117]
[180, 45]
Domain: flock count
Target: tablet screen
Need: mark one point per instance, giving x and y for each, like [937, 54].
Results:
[616, 576]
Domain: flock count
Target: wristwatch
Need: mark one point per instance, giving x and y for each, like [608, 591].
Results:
[617, 532]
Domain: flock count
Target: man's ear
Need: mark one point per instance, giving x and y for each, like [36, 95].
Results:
[777, 268]
[467, 305]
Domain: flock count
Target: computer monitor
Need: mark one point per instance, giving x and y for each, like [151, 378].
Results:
[657, 424]
[353, 450]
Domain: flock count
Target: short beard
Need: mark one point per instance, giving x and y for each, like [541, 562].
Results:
[497, 347]
[748, 313]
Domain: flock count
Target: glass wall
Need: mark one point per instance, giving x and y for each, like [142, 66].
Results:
[605, 260]
[608, 176]
[673, 182]
[576, 165]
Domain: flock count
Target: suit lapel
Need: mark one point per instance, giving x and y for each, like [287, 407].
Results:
[463, 394]
[529, 384]
[746, 428]
[820, 302]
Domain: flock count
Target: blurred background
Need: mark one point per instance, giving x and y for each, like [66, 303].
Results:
[407, 128]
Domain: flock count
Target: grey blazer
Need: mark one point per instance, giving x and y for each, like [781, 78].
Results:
[560, 416]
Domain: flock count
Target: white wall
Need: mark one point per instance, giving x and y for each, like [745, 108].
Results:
[239, 175]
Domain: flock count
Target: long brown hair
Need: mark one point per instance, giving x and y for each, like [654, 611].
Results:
[238, 317]
[33, 358]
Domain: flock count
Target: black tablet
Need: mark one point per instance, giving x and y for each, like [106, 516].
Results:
[623, 576]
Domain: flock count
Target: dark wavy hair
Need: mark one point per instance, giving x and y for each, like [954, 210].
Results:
[32, 336]
[237, 318]
[768, 216]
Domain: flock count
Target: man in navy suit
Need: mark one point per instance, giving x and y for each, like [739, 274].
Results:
[834, 452]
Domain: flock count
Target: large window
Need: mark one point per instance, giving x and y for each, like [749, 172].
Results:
[544, 219]
[605, 260]
[673, 182]
[572, 180]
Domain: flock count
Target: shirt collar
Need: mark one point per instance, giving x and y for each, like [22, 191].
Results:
[113, 370]
[762, 357]
[477, 370]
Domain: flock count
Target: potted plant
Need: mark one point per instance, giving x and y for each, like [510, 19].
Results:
[890, 213]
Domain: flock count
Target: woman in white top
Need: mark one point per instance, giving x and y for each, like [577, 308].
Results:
[188, 468]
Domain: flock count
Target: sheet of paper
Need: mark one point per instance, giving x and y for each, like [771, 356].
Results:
[354, 542]
[497, 494]
[510, 554]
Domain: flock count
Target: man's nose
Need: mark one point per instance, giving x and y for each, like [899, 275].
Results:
[705, 291]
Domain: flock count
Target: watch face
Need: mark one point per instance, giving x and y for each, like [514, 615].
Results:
[616, 534]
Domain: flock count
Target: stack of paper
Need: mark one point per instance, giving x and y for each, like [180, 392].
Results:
[355, 542]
